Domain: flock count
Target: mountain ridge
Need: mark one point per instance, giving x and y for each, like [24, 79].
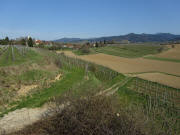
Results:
[132, 37]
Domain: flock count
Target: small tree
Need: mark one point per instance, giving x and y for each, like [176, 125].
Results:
[97, 45]
[173, 46]
[30, 42]
[6, 41]
[101, 43]
[85, 49]
[23, 42]
[88, 44]
[160, 49]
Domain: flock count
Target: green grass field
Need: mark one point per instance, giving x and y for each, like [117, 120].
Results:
[129, 51]
[35, 75]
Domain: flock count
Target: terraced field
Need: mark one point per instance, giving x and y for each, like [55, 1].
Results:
[136, 66]
[173, 54]
[129, 51]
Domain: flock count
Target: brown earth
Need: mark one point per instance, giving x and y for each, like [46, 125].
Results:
[25, 89]
[172, 53]
[134, 65]
[57, 78]
[169, 80]
[129, 65]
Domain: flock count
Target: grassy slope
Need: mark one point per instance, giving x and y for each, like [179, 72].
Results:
[72, 80]
[34, 75]
[129, 51]
[42, 96]
[30, 71]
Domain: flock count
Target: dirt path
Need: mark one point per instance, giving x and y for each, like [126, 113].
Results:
[18, 119]
[113, 89]
[134, 65]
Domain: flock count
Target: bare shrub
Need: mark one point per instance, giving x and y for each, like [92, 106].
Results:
[172, 46]
[86, 116]
[85, 49]
[160, 49]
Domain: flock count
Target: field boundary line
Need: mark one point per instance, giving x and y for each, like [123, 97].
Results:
[136, 73]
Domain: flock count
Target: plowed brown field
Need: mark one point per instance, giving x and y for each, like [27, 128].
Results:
[173, 53]
[134, 65]
[169, 80]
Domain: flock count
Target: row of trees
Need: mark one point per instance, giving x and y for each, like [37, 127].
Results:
[23, 41]
[99, 43]
[5, 41]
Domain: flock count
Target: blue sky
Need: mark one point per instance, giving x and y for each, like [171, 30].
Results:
[53, 19]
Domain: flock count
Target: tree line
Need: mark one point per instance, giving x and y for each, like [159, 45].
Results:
[24, 41]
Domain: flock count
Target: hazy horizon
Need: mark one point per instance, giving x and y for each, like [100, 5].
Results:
[50, 20]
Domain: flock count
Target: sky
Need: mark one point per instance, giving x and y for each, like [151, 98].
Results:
[54, 19]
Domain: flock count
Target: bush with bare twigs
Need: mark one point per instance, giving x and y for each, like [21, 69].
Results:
[86, 116]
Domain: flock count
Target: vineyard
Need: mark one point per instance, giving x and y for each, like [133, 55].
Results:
[12, 55]
[161, 102]
[100, 72]
[162, 93]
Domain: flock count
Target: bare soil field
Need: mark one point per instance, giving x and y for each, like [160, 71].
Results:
[173, 53]
[136, 65]
[129, 65]
[169, 80]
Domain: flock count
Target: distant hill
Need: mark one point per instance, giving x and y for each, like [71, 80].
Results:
[160, 37]
[67, 40]
[176, 39]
